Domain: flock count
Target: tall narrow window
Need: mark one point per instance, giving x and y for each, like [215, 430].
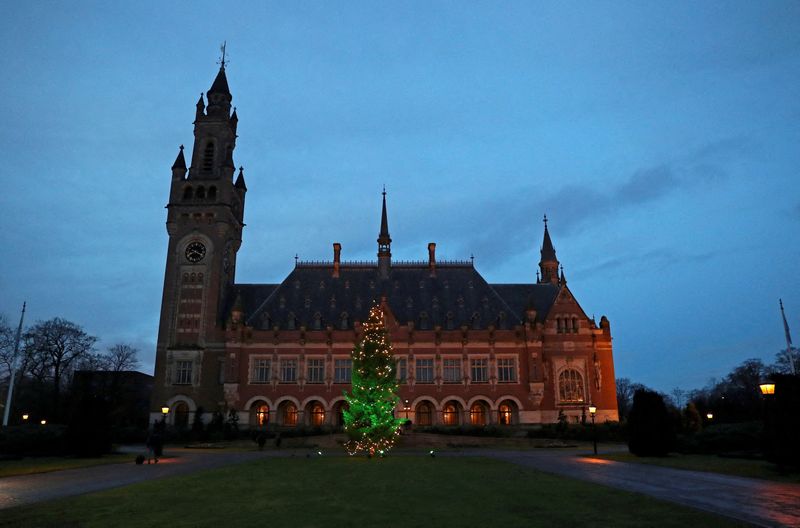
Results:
[570, 386]
[423, 414]
[289, 414]
[505, 414]
[424, 370]
[479, 370]
[260, 371]
[288, 370]
[183, 373]
[208, 157]
[402, 370]
[262, 414]
[317, 415]
[450, 414]
[451, 370]
[506, 370]
[316, 370]
[342, 369]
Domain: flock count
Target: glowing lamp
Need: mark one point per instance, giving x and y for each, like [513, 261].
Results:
[43, 422]
[767, 388]
[24, 416]
[710, 416]
[165, 411]
[592, 409]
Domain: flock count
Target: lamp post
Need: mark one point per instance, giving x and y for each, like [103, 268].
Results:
[25, 418]
[593, 411]
[406, 408]
[710, 416]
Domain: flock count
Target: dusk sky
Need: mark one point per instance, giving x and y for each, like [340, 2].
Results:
[662, 140]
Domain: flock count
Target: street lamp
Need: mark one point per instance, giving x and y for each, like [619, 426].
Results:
[406, 408]
[24, 417]
[593, 411]
[767, 388]
[43, 422]
[710, 416]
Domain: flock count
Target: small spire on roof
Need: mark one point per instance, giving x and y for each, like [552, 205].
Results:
[180, 161]
[563, 277]
[240, 180]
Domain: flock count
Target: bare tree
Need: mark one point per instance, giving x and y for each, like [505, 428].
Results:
[52, 348]
[6, 348]
[123, 356]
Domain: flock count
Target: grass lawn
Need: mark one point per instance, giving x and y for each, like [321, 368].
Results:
[30, 465]
[729, 466]
[405, 491]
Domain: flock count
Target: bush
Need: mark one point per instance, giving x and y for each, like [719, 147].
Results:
[723, 438]
[650, 426]
[34, 440]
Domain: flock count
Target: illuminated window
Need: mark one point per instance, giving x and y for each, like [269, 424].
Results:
[260, 371]
[570, 386]
[479, 370]
[402, 370]
[506, 370]
[316, 370]
[425, 370]
[289, 414]
[342, 369]
[450, 414]
[262, 414]
[317, 415]
[505, 414]
[288, 370]
[183, 373]
[451, 370]
[424, 413]
[477, 414]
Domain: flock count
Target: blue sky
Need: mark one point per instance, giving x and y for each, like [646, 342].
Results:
[660, 139]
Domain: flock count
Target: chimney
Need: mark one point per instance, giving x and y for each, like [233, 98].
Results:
[432, 258]
[337, 252]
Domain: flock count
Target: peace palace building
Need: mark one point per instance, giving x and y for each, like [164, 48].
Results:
[467, 351]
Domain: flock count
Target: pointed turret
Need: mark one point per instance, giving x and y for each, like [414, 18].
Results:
[234, 119]
[240, 180]
[384, 243]
[548, 263]
[563, 280]
[201, 108]
[179, 167]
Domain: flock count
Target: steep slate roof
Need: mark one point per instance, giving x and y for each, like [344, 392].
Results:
[220, 84]
[456, 296]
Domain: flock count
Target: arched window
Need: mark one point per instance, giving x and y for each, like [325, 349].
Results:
[289, 414]
[212, 193]
[423, 413]
[570, 386]
[560, 325]
[187, 193]
[261, 414]
[343, 321]
[181, 415]
[477, 414]
[574, 325]
[208, 157]
[450, 324]
[423, 320]
[317, 321]
[505, 413]
[475, 322]
[291, 321]
[317, 415]
[450, 414]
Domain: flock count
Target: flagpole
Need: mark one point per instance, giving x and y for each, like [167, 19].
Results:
[788, 339]
[13, 369]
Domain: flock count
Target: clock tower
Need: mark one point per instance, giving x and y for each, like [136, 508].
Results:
[205, 217]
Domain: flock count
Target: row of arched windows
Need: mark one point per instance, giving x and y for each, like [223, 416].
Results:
[343, 323]
[566, 325]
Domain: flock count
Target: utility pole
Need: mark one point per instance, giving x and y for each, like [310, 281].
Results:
[789, 353]
[13, 369]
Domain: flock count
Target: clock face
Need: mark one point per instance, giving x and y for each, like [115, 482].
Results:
[195, 252]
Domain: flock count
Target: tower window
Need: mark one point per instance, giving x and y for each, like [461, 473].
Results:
[212, 193]
[187, 193]
[201, 193]
[208, 157]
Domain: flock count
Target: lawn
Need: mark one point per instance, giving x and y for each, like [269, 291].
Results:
[728, 466]
[30, 465]
[403, 491]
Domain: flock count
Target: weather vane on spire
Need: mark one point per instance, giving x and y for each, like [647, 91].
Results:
[545, 220]
[222, 60]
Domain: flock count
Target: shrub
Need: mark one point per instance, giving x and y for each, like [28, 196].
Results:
[36, 440]
[650, 426]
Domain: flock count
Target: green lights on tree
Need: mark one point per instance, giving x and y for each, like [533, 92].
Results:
[369, 422]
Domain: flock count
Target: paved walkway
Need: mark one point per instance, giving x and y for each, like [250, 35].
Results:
[28, 489]
[759, 502]
[756, 501]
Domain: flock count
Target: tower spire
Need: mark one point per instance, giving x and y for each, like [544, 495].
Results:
[384, 242]
[548, 263]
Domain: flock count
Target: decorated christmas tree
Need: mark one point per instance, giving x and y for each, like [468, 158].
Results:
[369, 421]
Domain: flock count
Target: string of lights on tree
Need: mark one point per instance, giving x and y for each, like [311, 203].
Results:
[369, 421]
